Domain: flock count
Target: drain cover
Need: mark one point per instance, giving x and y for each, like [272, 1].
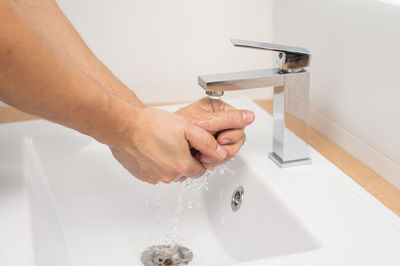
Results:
[237, 198]
[161, 255]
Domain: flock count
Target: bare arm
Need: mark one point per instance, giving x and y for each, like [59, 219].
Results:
[36, 79]
[51, 23]
[47, 18]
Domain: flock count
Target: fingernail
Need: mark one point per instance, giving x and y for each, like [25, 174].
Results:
[205, 159]
[247, 116]
[225, 141]
[221, 152]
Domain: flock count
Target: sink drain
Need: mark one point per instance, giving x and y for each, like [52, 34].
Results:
[237, 198]
[161, 255]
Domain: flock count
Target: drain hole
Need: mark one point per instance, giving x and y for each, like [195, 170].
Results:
[237, 198]
[161, 255]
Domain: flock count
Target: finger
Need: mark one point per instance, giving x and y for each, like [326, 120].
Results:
[204, 142]
[227, 106]
[127, 164]
[232, 151]
[196, 169]
[219, 105]
[230, 136]
[213, 164]
[216, 104]
[180, 179]
[228, 119]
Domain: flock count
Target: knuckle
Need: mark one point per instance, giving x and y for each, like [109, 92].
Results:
[166, 179]
[209, 141]
[180, 168]
[199, 172]
[205, 124]
[151, 181]
[238, 134]
[170, 176]
[232, 152]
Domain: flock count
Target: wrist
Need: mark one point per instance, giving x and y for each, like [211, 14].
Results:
[118, 89]
[116, 122]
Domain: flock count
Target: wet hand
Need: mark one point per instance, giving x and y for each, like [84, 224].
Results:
[223, 121]
[156, 146]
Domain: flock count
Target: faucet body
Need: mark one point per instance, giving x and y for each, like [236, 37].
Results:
[291, 94]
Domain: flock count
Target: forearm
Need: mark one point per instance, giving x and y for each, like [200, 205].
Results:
[34, 78]
[56, 29]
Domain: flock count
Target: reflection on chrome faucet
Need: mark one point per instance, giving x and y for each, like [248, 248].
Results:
[291, 82]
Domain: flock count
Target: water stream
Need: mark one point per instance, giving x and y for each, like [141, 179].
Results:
[188, 198]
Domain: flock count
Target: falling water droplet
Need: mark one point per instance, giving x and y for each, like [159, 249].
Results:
[189, 196]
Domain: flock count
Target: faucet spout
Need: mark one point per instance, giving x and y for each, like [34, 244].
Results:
[242, 80]
[291, 82]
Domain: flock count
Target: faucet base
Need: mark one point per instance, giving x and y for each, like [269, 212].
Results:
[276, 159]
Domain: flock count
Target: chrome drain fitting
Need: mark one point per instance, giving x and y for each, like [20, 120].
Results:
[237, 198]
[161, 255]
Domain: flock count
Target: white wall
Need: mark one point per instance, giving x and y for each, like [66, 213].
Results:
[159, 47]
[355, 79]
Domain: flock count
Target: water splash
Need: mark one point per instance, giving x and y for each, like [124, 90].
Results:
[188, 199]
[214, 97]
[158, 202]
[223, 218]
[188, 196]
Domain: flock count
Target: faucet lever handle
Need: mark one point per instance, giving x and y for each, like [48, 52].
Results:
[291, 59]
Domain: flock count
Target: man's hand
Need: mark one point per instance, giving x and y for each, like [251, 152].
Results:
[156, 147]
[151, 144]
[221, 120]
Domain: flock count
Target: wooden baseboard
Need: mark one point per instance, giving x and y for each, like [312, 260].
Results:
[10, 114]
[381, 189]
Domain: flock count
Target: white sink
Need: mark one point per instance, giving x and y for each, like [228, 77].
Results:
[108, 216]
[85, 209]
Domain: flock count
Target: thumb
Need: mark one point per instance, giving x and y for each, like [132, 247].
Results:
[229, 119]
[204, 142]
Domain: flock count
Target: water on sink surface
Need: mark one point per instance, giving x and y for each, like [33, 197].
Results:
[109, 217]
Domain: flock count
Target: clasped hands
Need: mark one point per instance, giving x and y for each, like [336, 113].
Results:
[165, 147]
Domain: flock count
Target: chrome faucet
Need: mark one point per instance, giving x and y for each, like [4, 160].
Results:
[291, 92]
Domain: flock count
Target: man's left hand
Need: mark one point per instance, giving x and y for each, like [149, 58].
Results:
[222, 120]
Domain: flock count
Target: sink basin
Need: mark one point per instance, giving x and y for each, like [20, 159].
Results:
[108, 217]
[83, 208]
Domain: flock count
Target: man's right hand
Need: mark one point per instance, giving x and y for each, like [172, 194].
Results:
[156, 146]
